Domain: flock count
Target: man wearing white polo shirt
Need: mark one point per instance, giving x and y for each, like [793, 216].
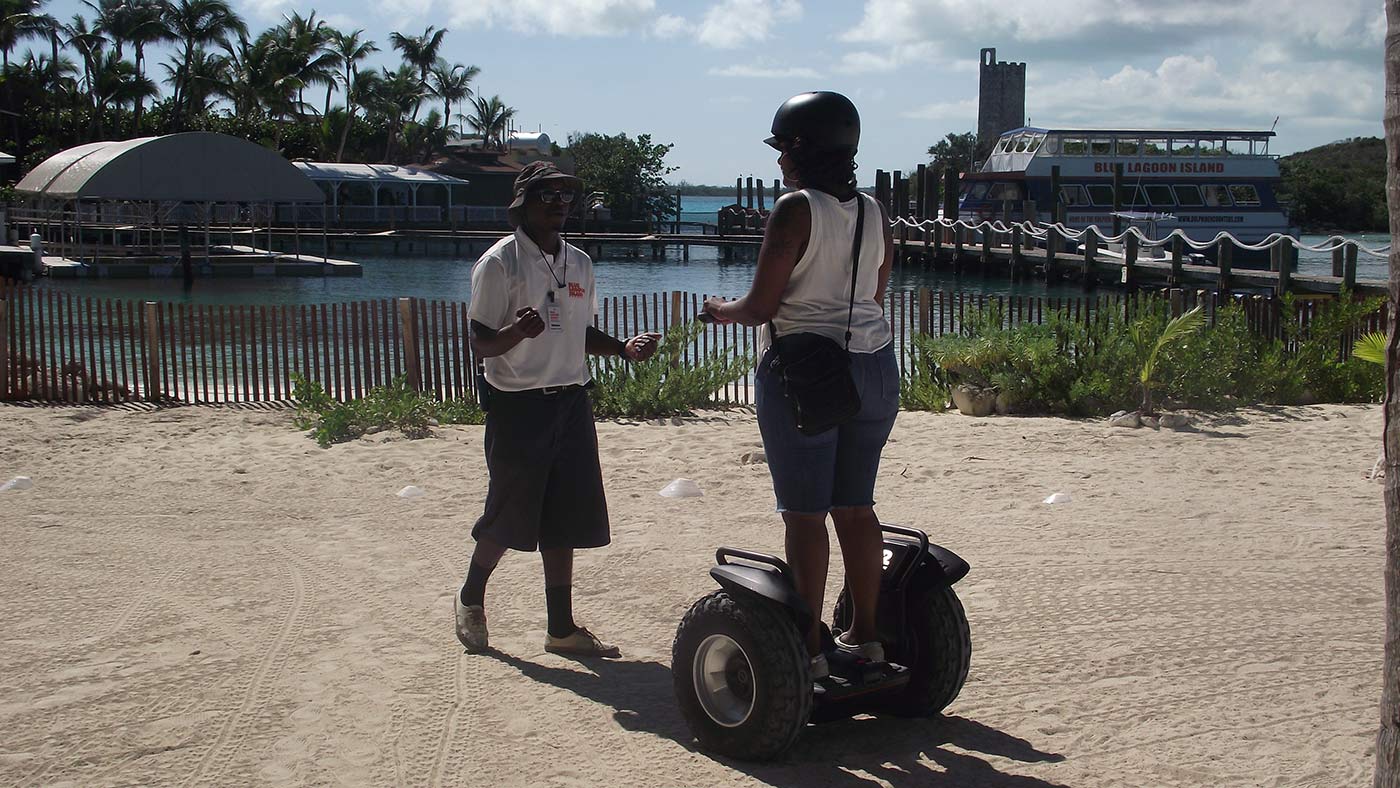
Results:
[532, 307]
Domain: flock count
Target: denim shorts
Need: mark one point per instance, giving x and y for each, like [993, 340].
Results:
[813, 474]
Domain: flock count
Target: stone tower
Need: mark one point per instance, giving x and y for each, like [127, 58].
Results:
[1001, 100]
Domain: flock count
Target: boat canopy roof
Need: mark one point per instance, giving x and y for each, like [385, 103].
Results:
[197, 166]
[1172, 133]
[374, 173]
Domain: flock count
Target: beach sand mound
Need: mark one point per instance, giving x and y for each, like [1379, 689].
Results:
[203, 596]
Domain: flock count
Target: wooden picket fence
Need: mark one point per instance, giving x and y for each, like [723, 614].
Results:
[58, 347]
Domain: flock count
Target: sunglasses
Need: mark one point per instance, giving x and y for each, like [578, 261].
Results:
[551, 196]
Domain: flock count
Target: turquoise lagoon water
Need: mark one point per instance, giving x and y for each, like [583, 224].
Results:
[450, 278]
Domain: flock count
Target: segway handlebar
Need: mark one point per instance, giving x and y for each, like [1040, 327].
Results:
[724, 553]
[903, 531]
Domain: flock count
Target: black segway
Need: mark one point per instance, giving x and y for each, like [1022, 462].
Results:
[741, 670]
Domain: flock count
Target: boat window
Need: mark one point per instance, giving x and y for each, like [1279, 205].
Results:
[1133, 197]
[1004, 191]
[1101, 193]
[1075, 147]
[1212, 148]
[1244, 194]
[1216, 195]
[1237, 147]
[1101, 147]
[1021, 144]
[1154, 147]
[1129, 147]
[1052, 144]
[1259, 147]
[1183, 147]
[1188, 195]
[1034, 144]
[1073, 195]
[1159, 195]
[979, 190]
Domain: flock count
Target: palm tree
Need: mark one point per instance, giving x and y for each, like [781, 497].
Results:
[363, 92]
[452, 84]
[118, 83]
[89, 44]
[350, 50]
[198, 76]
[148, 26]
[400, 92]
[197, 24]
[20, 19]
[302, 55]
[421, 52]
[491, 119]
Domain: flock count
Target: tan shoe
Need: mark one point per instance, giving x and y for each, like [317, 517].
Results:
[471, 626]
[581, 643]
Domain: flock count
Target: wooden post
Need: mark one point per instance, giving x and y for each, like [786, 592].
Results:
[1056, 199]
[921, 197]
[928, 182]
[153, 388]
[677, 229]
[1091, 249]
[1349, 269]
[1117, 198]
[1223, 256]
[882, 190]
[408, 335]
[739, 190]
[1338, 260]
[896, 185]
[5, 371]
[1178, 249]
[676, 317]
[923, 310]
[1015, 250]
[749, 185]
[1275, 255]
[1130, 256]
[957, 248]
[902, 211]
[777, 190]
[950, 193]
[987, 247]
[1287, 254]
[1052, 247]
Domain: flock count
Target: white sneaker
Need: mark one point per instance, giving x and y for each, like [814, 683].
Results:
[872, 651]
[471, 625]
[819, 668]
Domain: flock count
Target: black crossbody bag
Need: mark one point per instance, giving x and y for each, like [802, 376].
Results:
[815, 370]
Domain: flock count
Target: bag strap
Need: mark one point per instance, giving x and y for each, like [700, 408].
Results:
[855, 263]
[855, 267]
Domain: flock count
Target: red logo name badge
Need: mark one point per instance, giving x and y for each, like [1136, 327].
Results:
[575, 290]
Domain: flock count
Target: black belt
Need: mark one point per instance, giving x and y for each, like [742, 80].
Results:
[550, 391]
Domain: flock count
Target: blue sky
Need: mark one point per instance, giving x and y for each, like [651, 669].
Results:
[706, 75]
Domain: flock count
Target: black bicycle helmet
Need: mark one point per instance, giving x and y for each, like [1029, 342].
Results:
[820, 120]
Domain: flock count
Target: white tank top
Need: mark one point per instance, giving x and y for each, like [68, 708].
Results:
[817, 296]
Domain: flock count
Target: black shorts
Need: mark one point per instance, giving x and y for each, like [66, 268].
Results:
[546, 487]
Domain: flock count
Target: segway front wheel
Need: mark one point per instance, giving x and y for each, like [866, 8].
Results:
[741, 677]
[935, 645]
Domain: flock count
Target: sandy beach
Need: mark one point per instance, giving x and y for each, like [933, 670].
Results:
[202, 596]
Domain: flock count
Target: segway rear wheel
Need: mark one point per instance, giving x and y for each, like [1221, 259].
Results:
[741, 677]
[935, 645]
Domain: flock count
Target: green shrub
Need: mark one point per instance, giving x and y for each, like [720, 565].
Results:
[666, 384]
[924, 385]
[395, 406]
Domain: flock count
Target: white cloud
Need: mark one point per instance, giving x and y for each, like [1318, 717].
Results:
[1064, 27]
[889, 59]
[765, 72]
[555, 17]
[1187, 90]
[671, 26]
[733, 23]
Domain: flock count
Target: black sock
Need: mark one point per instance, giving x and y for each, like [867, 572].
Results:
[474, 590]
[559, 602]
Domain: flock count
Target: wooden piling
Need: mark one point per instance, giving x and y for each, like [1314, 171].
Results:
[1091, 249]
[1349, 268]
[152, 348]
[1338, 260]
[1117, 198]
[1130, 256]
[1287, 258]
[408, 340]
[1225, 252]
[1178, 249]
